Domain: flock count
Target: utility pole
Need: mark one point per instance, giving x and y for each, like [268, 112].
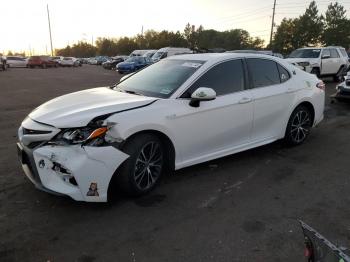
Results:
[48, 18]
[142, 31]
[273, 20]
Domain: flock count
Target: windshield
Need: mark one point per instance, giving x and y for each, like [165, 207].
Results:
[158, 55]
[134, 59]
[305, 53]
[160, 79]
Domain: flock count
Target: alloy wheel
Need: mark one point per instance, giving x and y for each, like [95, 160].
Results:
[148, 166]
[301, 125]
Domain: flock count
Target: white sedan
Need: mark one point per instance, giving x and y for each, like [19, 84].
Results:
[17, 61]
[179, 112]
[68, 61]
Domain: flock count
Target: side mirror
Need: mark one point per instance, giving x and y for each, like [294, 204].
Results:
[202, 94]
[326, 56]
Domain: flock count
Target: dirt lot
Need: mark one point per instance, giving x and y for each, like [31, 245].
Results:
[240, 208]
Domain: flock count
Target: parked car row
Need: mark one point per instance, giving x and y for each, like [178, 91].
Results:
[42, 61]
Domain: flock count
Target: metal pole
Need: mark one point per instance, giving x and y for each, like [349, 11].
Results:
[48, 18]
[273, 20]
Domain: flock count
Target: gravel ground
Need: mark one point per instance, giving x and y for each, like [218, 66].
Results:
[242, 207]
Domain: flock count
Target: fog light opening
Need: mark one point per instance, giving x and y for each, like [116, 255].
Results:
[60, 169]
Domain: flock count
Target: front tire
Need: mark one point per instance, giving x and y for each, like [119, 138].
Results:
[141, 172]
[316, 71]
[299, 126]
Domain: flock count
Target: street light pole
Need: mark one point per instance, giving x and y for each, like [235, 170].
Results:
[48, 18]
[273, 20]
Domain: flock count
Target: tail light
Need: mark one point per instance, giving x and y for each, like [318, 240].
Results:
[321, 85]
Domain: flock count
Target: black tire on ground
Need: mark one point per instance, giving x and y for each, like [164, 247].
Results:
[141, 172]
[299, 126]
[316, 71]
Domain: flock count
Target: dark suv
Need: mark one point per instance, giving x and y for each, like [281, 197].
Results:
[41, 61]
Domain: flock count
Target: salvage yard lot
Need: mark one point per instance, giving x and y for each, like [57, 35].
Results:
[239, 208]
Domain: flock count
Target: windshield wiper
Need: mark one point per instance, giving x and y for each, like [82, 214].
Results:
[131, 92]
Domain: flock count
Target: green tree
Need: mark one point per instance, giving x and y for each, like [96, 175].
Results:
[283, 41]
[125, 46]
[81, 49]
[309, 27]
[190, 36]
[106, 46]
[337, 26]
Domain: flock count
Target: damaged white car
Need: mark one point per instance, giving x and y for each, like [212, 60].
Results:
[181, 111]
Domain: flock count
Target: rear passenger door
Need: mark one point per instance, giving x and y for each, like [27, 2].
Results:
[332, 64]
[272, 92]
[216, 126]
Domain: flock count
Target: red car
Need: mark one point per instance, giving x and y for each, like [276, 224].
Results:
[41, 61]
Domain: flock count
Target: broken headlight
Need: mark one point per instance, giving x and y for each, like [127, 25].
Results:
[92, 136]
[304, 64]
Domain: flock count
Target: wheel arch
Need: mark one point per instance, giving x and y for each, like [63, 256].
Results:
[169, 161]
[166, 142]
[307, 104]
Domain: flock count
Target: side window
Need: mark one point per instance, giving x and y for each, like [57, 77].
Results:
[284, 74]
[326, 52]
[224, 78]
[344, 53]
[263, 72]
[334, 53]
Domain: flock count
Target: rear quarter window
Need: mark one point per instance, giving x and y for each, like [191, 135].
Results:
[284, 74]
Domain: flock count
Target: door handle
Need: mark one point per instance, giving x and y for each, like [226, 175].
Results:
[290, 90]
[245, 100]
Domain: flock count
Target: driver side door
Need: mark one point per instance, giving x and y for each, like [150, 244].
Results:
[216, 127]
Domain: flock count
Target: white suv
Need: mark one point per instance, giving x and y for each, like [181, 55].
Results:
[326, 61]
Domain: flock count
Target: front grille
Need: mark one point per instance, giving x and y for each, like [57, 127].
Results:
[33, 145]
[35, 132]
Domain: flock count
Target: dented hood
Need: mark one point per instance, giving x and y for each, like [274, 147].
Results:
[79, 108]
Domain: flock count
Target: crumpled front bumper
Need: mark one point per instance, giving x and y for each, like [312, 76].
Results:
[82, 173]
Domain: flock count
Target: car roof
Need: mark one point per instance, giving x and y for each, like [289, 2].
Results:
[321, 47]
[215, 57]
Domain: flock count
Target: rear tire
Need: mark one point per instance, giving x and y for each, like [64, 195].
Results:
[141, 172]
[299, 126]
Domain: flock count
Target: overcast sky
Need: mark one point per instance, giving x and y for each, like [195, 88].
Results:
[73, 20]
